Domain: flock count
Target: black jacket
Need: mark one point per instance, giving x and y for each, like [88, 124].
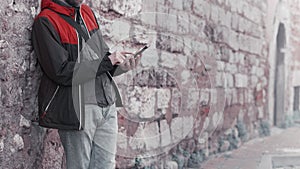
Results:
[67, 69]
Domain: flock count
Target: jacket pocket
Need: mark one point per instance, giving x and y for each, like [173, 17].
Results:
[49, 103]
[63, 112]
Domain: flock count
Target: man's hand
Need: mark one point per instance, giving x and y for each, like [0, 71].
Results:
[131, 62]
[117, 58]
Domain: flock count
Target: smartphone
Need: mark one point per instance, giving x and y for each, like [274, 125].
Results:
[140, 51]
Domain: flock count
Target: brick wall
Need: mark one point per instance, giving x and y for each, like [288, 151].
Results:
[217, 54]
[20, 142]
[200, 89]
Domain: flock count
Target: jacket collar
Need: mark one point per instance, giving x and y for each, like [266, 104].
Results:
[58, 6]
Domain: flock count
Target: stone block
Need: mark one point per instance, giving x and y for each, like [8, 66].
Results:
[203, 138]
[142, 35]
[197, 26]
[176, 44]
[148, 104]
[256, 45]
[24, 122]
[193, 100]
[182, 59]
[217, 120]
[163, 98]
[151, 136]
[206, 123]
[231, 68]
[176, 101]
[220, 66]
[233, 40]
[188, 123]
[241, 80]
[136, 143]
[149, 6]
[214, 13]
[185, 77]
[239, 6]
[204, 96]
[213, 96]
[120, 30]
[225, 17]
[169, 60]
[141, 102]
[148, 18]
[187, 50]
[202, 8]
[234, 5]
[235, 21]
[253, 13]
[260, 72]
[183, 23]
[18, 142]
[222, 34]
[150, 58]
[178, 4]
[244, 42]
[241, 95]
[220, 79]
[249, 97]
[199, 47]
[170, 43]
[167, 22]
[187, 5]
[165, 135]
[229, 80]
[253, 81]
[234, 97]
[228, 96]
[177, 129]
[103, 5]
[127, 8]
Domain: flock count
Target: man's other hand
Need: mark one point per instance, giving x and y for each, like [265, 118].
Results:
[131, 62]
[117, 58]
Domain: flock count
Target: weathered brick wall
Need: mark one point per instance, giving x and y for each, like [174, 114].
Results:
[216, 52]
[200, 89]
[20, 142]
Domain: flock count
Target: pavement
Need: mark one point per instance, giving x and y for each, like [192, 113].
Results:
[281, 150]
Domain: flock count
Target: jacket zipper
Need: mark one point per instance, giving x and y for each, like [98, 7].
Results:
[79, 86]
[46, 109]
[78, 56]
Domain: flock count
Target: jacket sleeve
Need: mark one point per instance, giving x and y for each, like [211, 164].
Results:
[117, 70]
[54, 58]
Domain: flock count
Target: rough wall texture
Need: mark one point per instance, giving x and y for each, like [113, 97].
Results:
[215, 52]
[200, 89]
[20, 141]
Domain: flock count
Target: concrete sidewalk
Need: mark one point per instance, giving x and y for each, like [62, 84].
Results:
[281, 150]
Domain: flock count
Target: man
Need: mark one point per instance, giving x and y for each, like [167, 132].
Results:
[77, 94]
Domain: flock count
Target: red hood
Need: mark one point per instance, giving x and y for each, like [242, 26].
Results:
[57, 8]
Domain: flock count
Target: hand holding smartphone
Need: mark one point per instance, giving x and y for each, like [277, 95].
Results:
[140, 51]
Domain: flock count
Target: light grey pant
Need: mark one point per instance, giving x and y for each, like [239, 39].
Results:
[95, 146]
